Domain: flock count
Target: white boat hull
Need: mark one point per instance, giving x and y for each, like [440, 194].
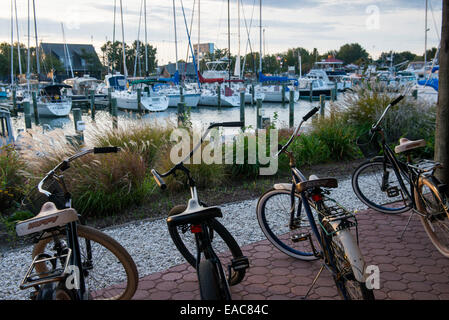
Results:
[152, 103]
[190, 99]
[212, 100]
[53, 109]
[275, 96]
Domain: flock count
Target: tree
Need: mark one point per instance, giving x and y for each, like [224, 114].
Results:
[442, 128]
[352, 53]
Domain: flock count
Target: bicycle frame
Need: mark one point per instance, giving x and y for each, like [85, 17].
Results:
[71, 228]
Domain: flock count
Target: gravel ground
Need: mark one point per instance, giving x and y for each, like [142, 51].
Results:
[149, 243]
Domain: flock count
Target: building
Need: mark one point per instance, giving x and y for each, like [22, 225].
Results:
[205, 48]
[83, 58]
[169, 70]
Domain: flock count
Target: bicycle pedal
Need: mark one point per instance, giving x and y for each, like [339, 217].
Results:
[240, 263]
[300, 237]
[393, 192]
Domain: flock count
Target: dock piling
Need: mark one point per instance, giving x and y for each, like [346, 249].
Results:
[36, 112]
[27, 114]
[291, 113]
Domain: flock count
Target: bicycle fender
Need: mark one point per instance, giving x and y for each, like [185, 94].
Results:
[352, 251]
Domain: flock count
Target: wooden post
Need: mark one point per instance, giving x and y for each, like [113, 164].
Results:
[259, 114]
[242, 106]
[219, 95]
[253, 94]
[322, 104]
[36, 112]
[181, 94]
[335, 91]
[14, 102]
[77, 117]
[415, 94]
[291, 117]
[114, 113]
[283, 93]
[27, 114]
[110, 100]
[92, 104]
[139, 100]
[181, 115]
[311, 91]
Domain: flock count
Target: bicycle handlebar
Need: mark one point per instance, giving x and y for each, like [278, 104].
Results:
[392, 104]
[64, 165]
[158, 176]
[309, 115]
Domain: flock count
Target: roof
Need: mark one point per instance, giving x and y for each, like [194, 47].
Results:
[171, 68]
[75, 51]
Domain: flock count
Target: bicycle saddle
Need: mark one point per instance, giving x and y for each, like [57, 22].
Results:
[315, 182]
[49, 217]
[407, 145]
[194, 214]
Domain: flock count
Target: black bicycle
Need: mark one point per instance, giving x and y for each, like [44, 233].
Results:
[72, 261]
[194, 228]
[301, 220]
[391, 186]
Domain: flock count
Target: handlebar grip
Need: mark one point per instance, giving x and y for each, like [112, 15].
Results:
[234, 124]
[160, 182]
[106, 150]
[310, 114]
[397, 100]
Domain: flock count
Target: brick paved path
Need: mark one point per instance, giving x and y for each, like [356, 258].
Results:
[410, 268]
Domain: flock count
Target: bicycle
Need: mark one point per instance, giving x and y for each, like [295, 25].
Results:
[324, 232]
[69, 273]
[199, 220]
[398, 186]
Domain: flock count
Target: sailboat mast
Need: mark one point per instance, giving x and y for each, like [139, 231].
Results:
[28, 53]
[199, 34]
[12, 43]
[125, 70]
[18, 38]
[425, 35]
[66, 50]
[38, 66]
[229, 40]
[146, 37]
[138, 40]
[113, 36]
[260, 36]
[176, 34]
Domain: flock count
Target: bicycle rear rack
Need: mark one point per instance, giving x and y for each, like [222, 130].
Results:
[33, 279]
[337, 213]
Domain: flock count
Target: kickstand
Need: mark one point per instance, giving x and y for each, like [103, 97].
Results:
[314, 281]
[408, 222]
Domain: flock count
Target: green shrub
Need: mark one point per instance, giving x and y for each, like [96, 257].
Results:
[12, 178]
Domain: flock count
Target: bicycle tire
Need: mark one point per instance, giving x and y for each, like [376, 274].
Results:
[358, 181]
[437, 214]
[215, 227]
[112, 246]
[348, 287]
[281, 241]
[208, 281]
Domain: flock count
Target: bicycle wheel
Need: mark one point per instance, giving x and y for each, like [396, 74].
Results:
[107, 265]
[367, 182]
[209, 281]
[348, 286]
[221, 241]
[434, 205]
[273, 215]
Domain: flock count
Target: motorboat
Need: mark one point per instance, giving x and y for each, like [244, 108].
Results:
[52, 101]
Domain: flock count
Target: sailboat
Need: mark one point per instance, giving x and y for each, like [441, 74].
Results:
[171, 87]
[127, 98]
[273, 93]
[51, 100]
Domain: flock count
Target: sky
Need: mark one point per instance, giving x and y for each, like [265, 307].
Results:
[379, 26]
